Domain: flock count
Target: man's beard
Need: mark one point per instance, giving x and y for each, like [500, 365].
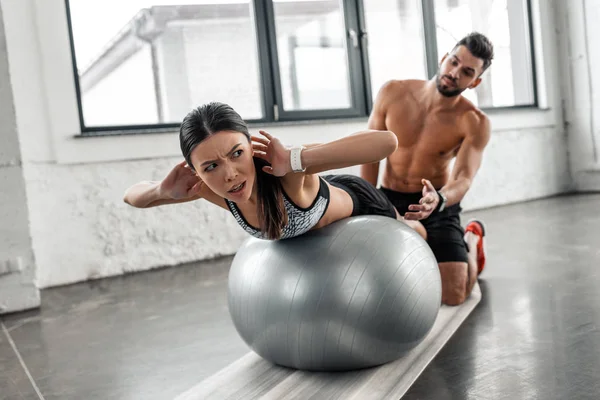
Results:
[445, 91]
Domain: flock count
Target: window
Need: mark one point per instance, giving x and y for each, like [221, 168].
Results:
[313, 59]
[151, 64]
[145, 63]
[396, 41]
[508, 82]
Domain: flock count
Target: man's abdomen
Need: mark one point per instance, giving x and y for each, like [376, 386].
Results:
[406, 175]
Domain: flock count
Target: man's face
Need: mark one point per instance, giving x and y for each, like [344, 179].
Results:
[459, 71]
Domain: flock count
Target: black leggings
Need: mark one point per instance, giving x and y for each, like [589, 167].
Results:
[366, 198]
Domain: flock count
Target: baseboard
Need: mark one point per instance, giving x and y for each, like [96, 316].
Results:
[587, 181]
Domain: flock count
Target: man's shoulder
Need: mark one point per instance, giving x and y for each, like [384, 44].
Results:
[477, 124]
[395, 86]
[473, 115]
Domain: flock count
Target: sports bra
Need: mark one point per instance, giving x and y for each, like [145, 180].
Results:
[300, 220]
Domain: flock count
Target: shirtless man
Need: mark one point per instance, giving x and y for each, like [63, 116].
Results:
[434, 124]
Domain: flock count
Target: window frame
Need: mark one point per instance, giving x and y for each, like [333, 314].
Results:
[432, 56]
[276, 113]
[361, 90]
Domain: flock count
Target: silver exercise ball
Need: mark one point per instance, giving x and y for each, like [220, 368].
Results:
[358, 293]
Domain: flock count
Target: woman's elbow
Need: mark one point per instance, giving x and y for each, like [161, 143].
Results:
[389, 142]
[127, 199]
[130, 200]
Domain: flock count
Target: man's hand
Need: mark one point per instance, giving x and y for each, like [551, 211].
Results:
[427, 204]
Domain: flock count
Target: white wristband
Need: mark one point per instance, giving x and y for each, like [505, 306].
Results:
[295, 159]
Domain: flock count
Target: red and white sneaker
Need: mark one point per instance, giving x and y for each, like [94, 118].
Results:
[477, 228]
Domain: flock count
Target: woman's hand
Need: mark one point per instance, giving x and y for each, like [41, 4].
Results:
[274, 152]
[181, 183]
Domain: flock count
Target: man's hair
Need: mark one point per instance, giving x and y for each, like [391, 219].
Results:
[480, 46]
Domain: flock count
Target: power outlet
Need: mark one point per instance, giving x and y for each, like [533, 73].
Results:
[11, 266]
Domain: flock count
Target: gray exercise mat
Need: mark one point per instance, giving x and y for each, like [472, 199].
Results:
[251, 377]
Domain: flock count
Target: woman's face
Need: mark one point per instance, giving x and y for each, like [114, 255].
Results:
[224, 162]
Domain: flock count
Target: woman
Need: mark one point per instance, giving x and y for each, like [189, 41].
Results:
[272, 191]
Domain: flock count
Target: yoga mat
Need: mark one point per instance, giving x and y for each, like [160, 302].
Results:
[251, 377]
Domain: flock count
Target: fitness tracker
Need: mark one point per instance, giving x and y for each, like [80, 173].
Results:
[295, 159]
[442, 204]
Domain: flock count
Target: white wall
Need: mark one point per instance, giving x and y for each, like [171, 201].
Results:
[17, 263]
[579, 33]
[85, 231]
[521, 165]
[80, 227]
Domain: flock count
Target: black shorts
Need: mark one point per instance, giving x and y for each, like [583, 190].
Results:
[445, 234]
[366, 198]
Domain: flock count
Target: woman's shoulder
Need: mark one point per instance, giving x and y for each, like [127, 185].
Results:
[301, 188]
[298, 182]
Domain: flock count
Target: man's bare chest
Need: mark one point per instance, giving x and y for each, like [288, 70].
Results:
[430, 135]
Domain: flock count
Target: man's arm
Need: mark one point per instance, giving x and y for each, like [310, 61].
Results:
[370, 172]
[468, 161]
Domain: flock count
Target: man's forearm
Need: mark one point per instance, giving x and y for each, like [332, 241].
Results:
[370, 172]
[456, 190]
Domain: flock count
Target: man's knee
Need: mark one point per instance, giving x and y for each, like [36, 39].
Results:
[454, 282]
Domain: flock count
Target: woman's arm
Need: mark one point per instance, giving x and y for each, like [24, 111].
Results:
[147, 194]
[179, 186]
[360, 148]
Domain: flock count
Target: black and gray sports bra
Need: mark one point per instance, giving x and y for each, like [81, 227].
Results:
[300, 220]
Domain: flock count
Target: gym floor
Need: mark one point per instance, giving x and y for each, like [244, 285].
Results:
[153, 335]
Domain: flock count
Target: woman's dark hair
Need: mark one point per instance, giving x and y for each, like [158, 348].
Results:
[214, 117]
